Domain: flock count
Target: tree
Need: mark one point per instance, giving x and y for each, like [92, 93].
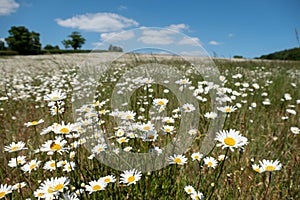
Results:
[2, 45]
[115, 48]
[23, 41]
[75, 42]
[50, 47]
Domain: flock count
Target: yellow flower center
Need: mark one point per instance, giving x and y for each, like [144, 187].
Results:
[257, 170]
[168, 130]
[270, 168]
[15, 148]
[64, 130]
[52, 164]
[210, 164]
[131, 179]
[59, 187]
[177, 160]
[146, 128]
[40, 194]
[2, 194]
[107, 180]
[55, 147]
[34, 122]
[54, 98]
[161, 103]
[19, 161]
[122, 140]
[31, 167]
[102, 111]
[96, 187]
[228, 109]
[229, 141]
[196, 156]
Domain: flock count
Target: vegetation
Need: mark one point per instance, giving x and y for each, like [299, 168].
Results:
[23, 41]
[289, 54]
[36, 108]
[75, 42]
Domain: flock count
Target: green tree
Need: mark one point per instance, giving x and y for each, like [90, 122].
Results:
[20, 39]
[2, 45]
[75, 42]
[50, 47]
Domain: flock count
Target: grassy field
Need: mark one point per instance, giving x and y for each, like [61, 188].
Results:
[65, 157]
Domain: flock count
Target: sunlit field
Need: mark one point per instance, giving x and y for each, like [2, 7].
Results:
[47, 153]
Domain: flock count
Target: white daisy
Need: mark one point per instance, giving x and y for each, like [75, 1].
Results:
[130, 177]
[295, 130]
[231, 139]
[13, 147]
[210, 162]
[56, 95]
[197, 156]
[178, 159]
[270, 165]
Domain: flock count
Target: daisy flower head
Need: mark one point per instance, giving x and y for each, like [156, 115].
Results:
[13, 147]
[210, 115]
[50, 165]
[51, 188]
[4, 190]
[189, 189]
[270, 165]
[56, 95]
[178, 159]
[34, 123]
[231, 139]
[130, 177]
[18, 186]
[187, 107]
[160, 102]
[197, 156]
[32, 165]
[210, 162]
[193, 132]
[52, 146]
[108, 179]
[99, 148]
[227, 109]
[168, 129]
[257, 168]
[168, 120]
[150, 136]
[63, 128]
[197, 196]
[14, 162]
[295, 130]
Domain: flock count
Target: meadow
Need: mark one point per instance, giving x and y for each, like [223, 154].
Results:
[60, 142]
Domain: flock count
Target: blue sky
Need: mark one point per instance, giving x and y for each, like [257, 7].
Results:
[225, 28]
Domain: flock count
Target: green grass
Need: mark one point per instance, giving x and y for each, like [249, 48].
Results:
[268, 134]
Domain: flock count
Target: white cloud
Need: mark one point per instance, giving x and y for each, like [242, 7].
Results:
[214, 43]
[8, 6]
[194, 41]
[98, 22]
[117, 36]
[161, 36]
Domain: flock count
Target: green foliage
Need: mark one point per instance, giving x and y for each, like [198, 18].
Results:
[75, 42]
[20, 39]
[50, 47]
[237, 56]
[8, 53]
[289, 54]
[115, 48]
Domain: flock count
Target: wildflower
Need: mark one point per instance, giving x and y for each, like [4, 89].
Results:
[69, 166]
[52, 146]
[168, 120]
[150, 136]
[193, 132]
[52, 187]
[14, 162]
[178, 159]
[257, 168]
[197, 196]
[56, 95]
[34, 123]
[108, 179]
[160, 102]
[295, 130]
[189, 189]
[119, 133]
[270, 165]
[197, 156]
[231, 139]
[291, 111]
[221, 157]
[50, 165]
[210, 115]
[127, 149]
[146, 127]
[227, 109]
[122, 140]
[13, 147]
[130, 177]
[188, 107]
[18, 186]
[4, 190]
[99, 148]
[63, 128]
[168, 129]
[32, 165]
[210, 162]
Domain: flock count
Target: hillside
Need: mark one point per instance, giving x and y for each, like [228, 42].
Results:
[289, 54]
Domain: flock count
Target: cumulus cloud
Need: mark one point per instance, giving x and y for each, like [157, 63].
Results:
[8, 6]
[161, 36]
[98, 22]
[117, 36]
[194, 41]
[214, 43]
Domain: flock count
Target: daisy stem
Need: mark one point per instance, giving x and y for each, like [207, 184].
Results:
[220, 172]
[268, 187]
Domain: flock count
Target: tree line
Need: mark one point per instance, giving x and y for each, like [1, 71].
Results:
[26, 42]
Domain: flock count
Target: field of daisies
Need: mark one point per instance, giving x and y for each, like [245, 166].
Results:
[47, 153]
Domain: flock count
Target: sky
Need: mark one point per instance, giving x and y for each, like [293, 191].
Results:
[217, 27]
